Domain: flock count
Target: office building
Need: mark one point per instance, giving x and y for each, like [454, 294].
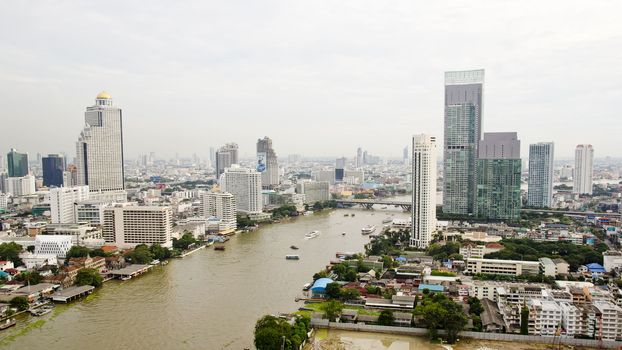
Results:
[221, 206]
[57, 246]
[245, 186]
[226, 156]
[359, 158]
[463, 127]
[20, 186]
[128, 226]
[540, 181]
[353, 177]
[17, 163]
[53, 167]
[63, 201]
[314, 191]
[340, 165]
[267, 163]
[91, 211]
[99, 149]
[499, 177]
[324, 175]
[423, 215]
[583, 169]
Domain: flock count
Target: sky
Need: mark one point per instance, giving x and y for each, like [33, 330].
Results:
[320, 78]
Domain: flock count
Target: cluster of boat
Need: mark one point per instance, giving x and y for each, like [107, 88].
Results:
[43, 310]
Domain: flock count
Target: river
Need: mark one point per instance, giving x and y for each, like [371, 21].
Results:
[208, 300]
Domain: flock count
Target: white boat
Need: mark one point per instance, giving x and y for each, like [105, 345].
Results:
[312, 234]
[387, 220]
[368, 229]
[292, 257]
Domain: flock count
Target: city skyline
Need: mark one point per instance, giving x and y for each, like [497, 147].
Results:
[190, 84]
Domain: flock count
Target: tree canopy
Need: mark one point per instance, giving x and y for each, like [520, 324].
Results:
[275, 333]
[89, 277]
[10, 251]
[184, 242]
[77, 252]
[438, 311]
[140, 255]
[21, 303]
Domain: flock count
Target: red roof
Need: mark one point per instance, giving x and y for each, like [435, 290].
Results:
[494, 245]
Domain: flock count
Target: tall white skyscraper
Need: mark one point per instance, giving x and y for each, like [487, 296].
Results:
[267, 163]
[540, 181]
[100, 147]
[583, 168]
[220, 205]
[423, 219]
[63, 202]
[245, 186]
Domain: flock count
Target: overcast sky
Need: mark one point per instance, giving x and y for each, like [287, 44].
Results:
[318, 77]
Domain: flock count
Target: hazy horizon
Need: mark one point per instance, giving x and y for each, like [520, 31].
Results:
[320, 79]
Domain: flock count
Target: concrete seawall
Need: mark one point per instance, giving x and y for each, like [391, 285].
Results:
[474, 335]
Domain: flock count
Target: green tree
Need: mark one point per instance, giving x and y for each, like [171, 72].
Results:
[333, 291]
[475, 306]
[77, 252]
[20, 303]
[139, 255]
[332, 309]
[159, 252]
[31, 278]
[349, 294]
[185, 242]
[524, 320]
[386, 318]
[89, 277]
[439, 311]
[98, 252]
[30, 248]
[350, 275]
[10, 251]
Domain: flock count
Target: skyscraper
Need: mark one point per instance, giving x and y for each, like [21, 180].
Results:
[423, 218]
[359, 157]
[99, 148]
[583, 168]
[245, 186]
[463, 124]
[405, 156]
[17, 163]
[225, 157]
[267, 163]
[53, 167]
[340, 165]
[540, 181]
[63, 201]
[499, 177]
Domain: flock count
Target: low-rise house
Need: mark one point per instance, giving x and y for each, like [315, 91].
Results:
[492, 320]
[348, 315]
[367, 319]
[403, 319]
[6, 264]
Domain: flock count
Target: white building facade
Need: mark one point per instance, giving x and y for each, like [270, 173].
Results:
[245, 186]
[128, 226]
[99, 148]
[424, 190]
[222, 206]
[20, 186]
[53, 245]
[583, 169]
[63, 201]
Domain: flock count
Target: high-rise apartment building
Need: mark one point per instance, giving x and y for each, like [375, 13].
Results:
[267, 163]
[583, 169]
[463, 126]
[540, 181]
[405, 156]
[245, 186]
[20, 186]
[99, 148]
[226, 156]
[53, 167]
[499, 177]
[423, 218]
[17, 163]
[128, 226]
[63, 202]
[222, 206]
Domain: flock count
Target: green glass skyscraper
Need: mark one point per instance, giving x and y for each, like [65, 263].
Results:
[18, 163]
[499, 177]
[463, 124]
